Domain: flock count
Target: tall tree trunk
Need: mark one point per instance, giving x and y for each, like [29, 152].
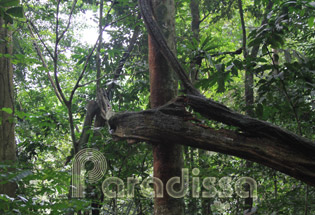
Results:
[249, 79]
[98, 57]
[249, 95]
[163, 87]
[7, 141]
[96, 195]
[194, 66]
[195, 23]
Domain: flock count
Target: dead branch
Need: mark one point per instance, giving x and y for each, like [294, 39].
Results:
[264, 143]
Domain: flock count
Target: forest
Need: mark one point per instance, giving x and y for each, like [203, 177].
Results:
[165, 107]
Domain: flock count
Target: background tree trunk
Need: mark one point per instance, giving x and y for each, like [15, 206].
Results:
[7, 141]
[195, 23]
[249, 96]
[163, 87]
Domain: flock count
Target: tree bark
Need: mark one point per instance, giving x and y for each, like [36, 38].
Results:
[167, 156]
[7, 139]
[249, 95]
[281, 146]
[259, 141]
[100, 41]
[195, 23]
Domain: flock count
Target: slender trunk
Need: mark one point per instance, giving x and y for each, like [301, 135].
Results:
[275, 182]
[306, 200]
[41, 57]
[249, 81]
[249, 94]
[7, 140]
[255, 48]
[98, 58]
[194, 66]
[96, 195]
[163, 87]
[249, 78]
[195, 22]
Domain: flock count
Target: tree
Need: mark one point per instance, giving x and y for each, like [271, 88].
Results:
[116, 78]
[9, 10]
[254, 130]
[7, 138]
[168, 160]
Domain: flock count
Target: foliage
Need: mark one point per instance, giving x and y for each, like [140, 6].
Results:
[284, 95]
[10, 9]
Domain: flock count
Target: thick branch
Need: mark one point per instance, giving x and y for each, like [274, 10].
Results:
[91, 111]
[218, 112]
[296, 160]
[207, 107]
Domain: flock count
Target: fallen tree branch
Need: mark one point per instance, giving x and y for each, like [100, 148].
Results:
[259, 141]
[207, 107]
[220, 113]
[295, 158]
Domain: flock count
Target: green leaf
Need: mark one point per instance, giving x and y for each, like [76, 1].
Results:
[7, 55]
[265, 49]
[206, 84]
[41, 68]
[9, 3]
[204, 41]
[311, 22]
[6, 198]
[290, 2]
[16, 12]
[260, 59]
[7, 110]
[252, 34]
[256, 41]
[234, 71]
[221, 77]
[20, 56]
[238, 64]
[20, 114]
[278, 38]
[259, 110]
[22, 175]
[264, 67]
[8, 18]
